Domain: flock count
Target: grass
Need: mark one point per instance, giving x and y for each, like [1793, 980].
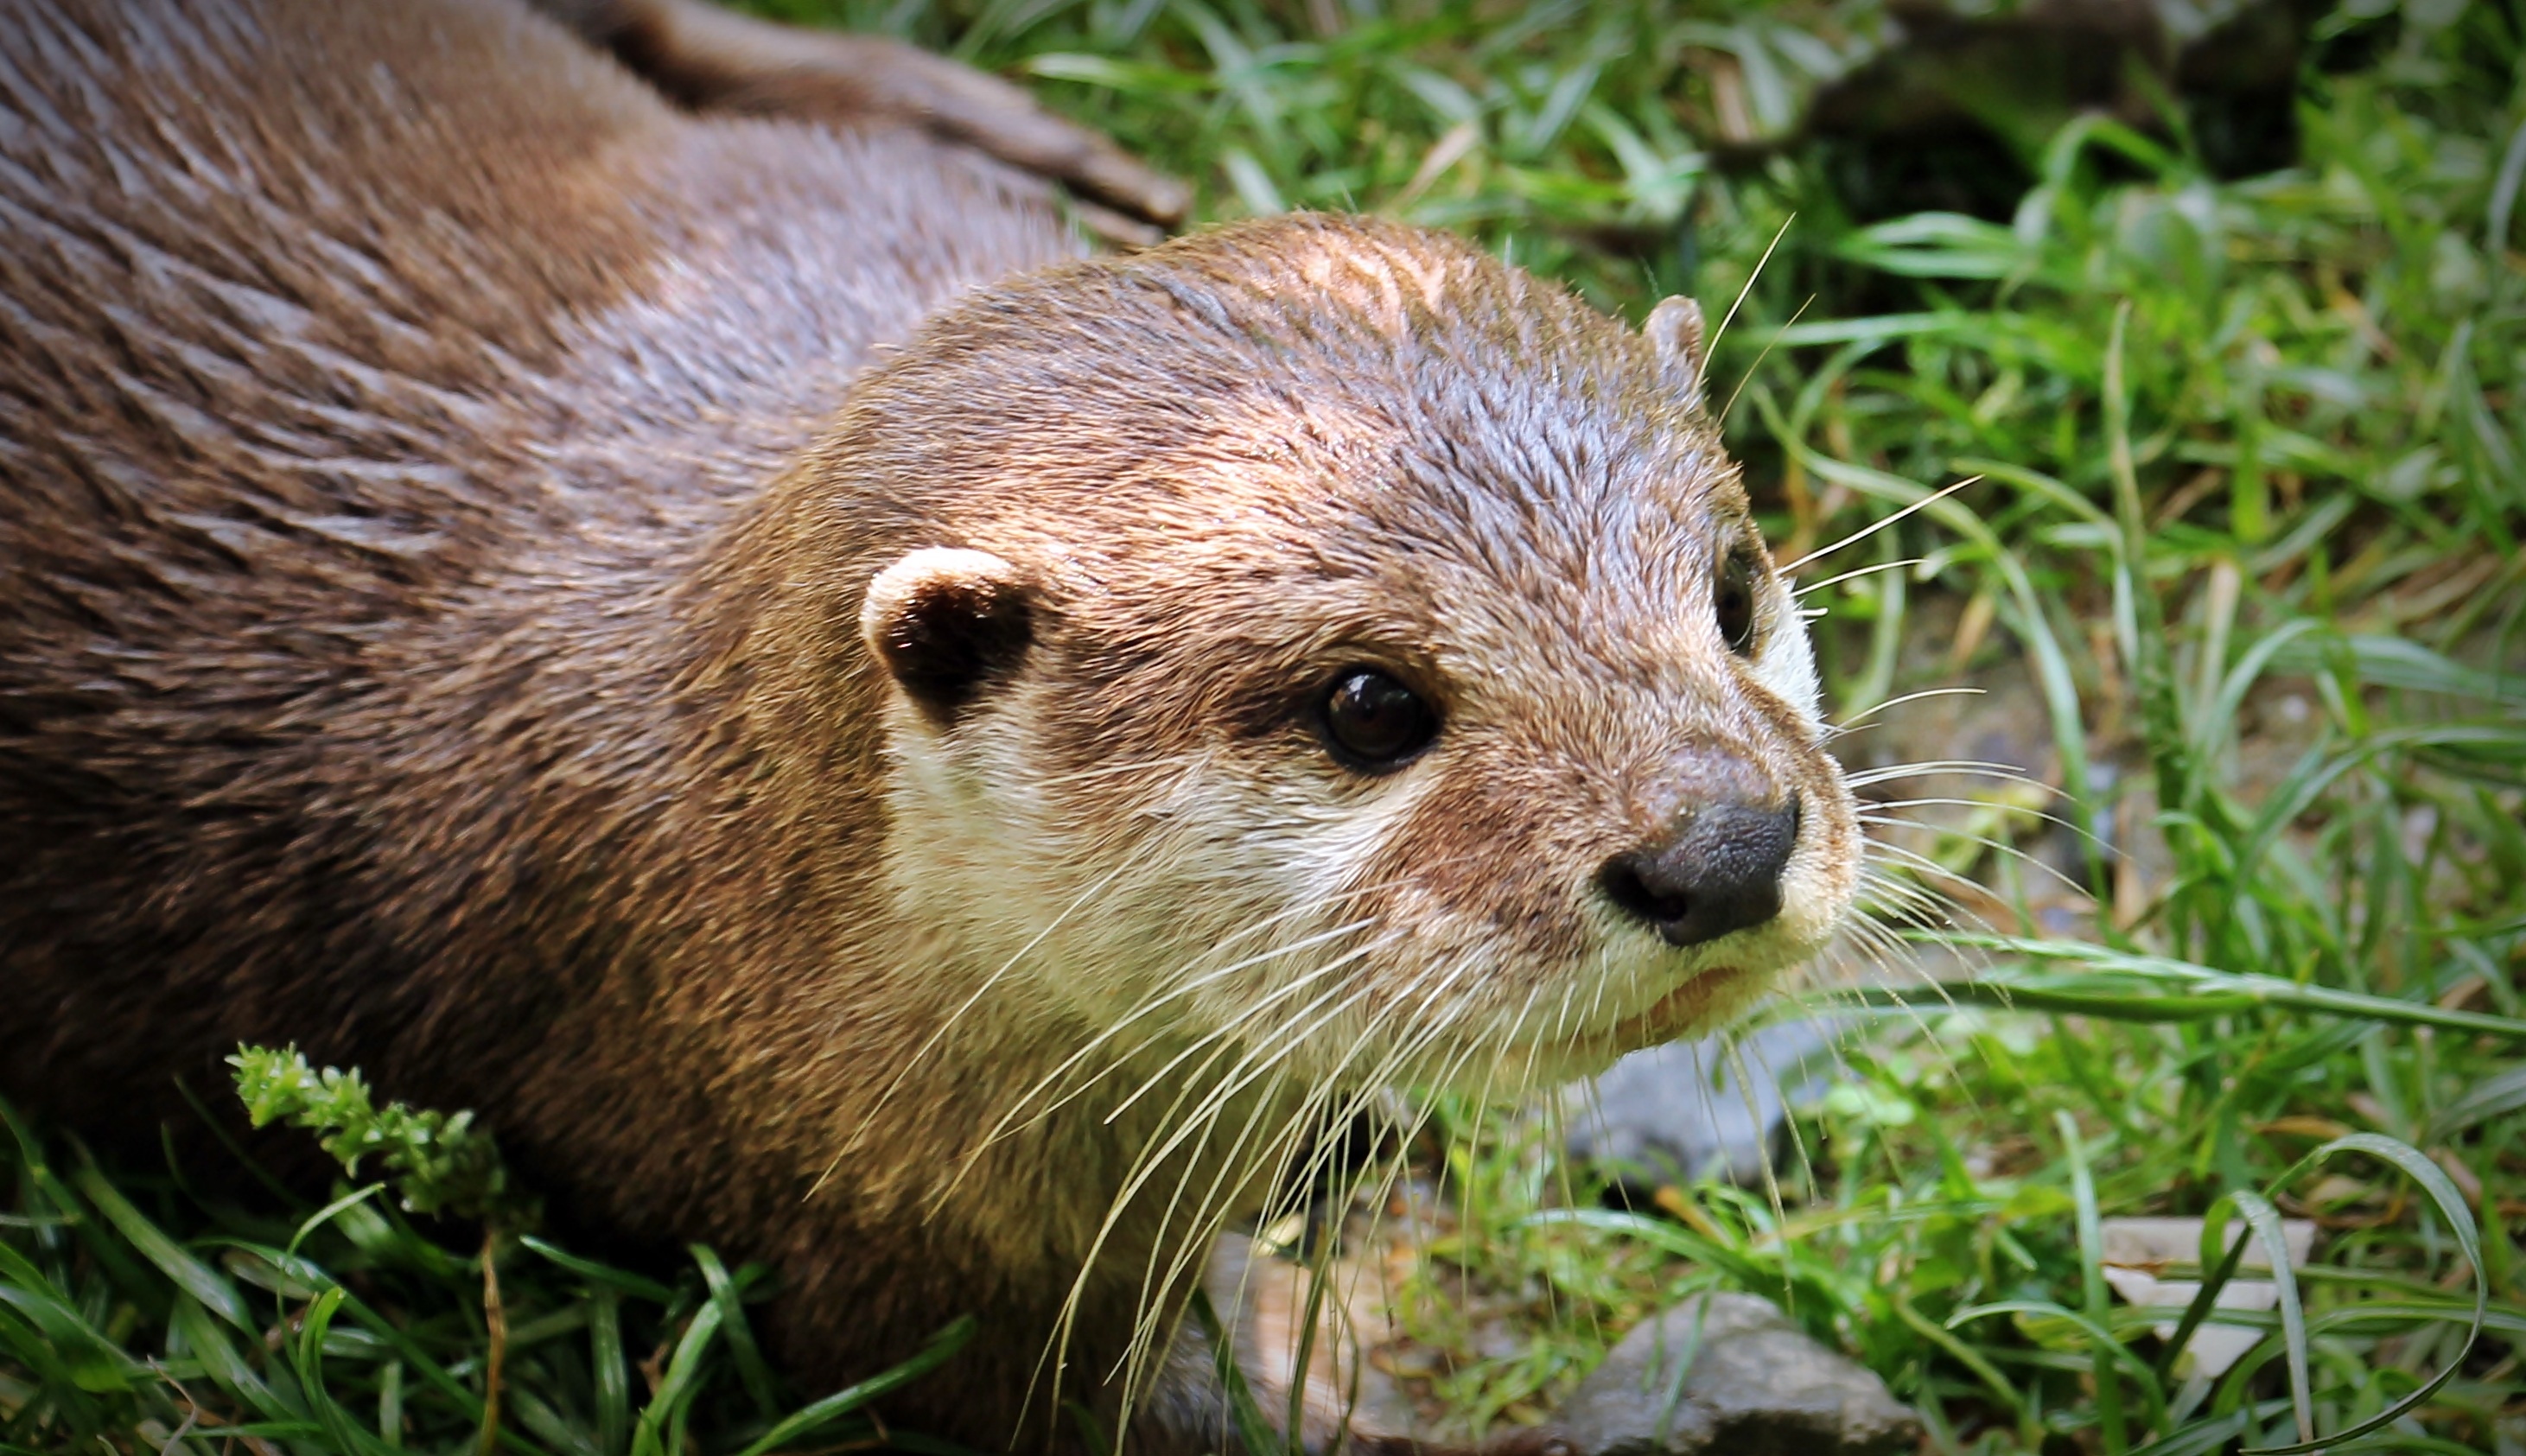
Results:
[351, 1327]
[2250, 484]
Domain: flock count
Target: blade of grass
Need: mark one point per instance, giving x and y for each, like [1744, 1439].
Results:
[661, 1419]
[612, 1373]
[227, 1365]
[2092, 1277]
[733, 1326]
[2218, 1272]
[604, 1274]
[2263, 990]
[306, 1357]
[1253, 1430]
[195, 1278]
[2450, 1206]
[2265, 1222]
[941, 1348]
[92, 1362]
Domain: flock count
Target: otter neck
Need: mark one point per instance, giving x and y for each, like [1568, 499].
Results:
[782, 1000]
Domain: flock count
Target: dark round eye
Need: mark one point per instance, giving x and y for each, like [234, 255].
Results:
[1732, 602]
[1373, 723]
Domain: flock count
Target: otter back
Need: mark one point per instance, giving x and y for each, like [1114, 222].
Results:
[361, 366]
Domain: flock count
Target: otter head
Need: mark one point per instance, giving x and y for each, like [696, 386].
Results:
[1322, 639]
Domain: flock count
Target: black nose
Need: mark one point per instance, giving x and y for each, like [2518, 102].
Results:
[1718, 871]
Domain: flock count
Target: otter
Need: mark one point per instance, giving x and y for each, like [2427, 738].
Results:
[843, 725]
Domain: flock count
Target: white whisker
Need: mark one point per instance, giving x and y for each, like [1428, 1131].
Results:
[2011, 772]
[1855, 573]
[1853, 722]
[1710, 349]
[940, 1031]
[1874, 527]
[1751, 370]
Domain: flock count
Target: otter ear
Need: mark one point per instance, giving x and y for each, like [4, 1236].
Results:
[1674, 329]
[946, 623]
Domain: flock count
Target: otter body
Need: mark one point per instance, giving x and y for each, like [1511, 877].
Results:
[840, 731]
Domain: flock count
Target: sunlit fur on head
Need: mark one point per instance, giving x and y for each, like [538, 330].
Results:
[1297, 445]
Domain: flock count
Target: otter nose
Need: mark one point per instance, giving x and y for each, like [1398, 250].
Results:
[1719, 869]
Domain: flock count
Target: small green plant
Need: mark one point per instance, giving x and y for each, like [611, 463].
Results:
[437, 1162]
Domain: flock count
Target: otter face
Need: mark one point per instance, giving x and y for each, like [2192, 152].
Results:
[1399, 690]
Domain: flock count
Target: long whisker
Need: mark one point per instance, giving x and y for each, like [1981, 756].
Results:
[2000, 847]
[1736, 1058]
[2005, 773]
[1179, 991]
[1246, 1069]
[1906, 958]
[949, 1023]
[1152, 1158]
[1873, 813]
[1852, 723]
[1943, 903]
[1251, 1011]
[1240, 1074]
[1756, 366]
[1278, 1149]
[1147, 1163]
[1883, 855]
[1430, 983]
[1874, 527]
[1389, 1068]
[1229, 1168]
[1855, 573]
[1918, 860]
[1346, 958]
[1710, 350]
[1887, 954]
[1176, 989]
[1471, 1212]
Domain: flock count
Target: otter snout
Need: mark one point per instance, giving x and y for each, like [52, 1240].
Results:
[1717, 869]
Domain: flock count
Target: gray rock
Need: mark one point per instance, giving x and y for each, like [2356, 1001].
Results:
[1729, 1374]
[1677, 1114]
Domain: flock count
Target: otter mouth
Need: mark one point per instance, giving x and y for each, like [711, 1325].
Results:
[1672, 1013]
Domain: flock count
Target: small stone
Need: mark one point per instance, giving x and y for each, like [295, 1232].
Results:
[1730, 1373]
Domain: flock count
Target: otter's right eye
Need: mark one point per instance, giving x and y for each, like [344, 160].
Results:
[1731, 601]
[1373, 723]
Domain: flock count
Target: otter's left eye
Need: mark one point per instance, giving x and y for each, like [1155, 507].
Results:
[1373, 723]
[1732, 602]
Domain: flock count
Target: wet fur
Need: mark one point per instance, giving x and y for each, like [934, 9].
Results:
[367, 419]
[439, 488]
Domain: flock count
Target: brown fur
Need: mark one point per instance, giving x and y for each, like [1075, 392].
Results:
[439, 487]
[720, 61]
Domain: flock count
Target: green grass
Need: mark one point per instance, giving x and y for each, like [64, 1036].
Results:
[2238, 446]
[351, 1327]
